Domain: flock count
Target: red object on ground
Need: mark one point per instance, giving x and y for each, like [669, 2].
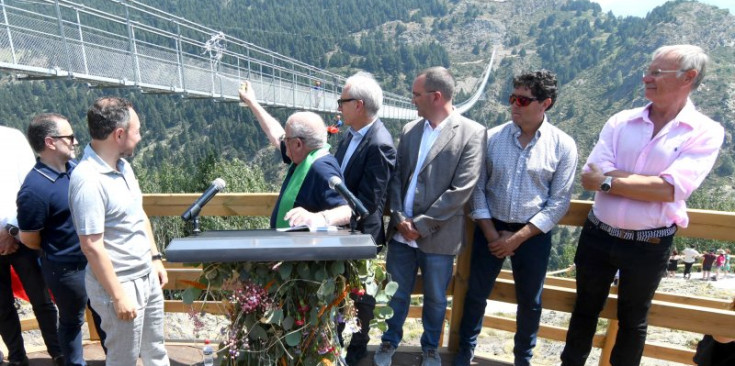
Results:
[17, 286]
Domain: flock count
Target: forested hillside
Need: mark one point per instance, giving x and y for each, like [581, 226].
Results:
[598, 56]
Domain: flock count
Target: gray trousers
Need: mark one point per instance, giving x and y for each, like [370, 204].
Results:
[142, 337]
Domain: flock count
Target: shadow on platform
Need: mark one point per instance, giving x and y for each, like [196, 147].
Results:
[182, 354]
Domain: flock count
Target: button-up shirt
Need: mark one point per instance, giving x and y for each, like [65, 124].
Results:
[357, 136]
[531, 184]
[428, 137]
[682, 153]
[18, 161]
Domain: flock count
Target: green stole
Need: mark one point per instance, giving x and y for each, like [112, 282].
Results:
[294, 185]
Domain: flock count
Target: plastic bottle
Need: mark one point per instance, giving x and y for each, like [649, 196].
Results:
[208, 354]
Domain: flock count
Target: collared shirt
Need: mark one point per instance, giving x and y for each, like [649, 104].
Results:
[357, 136]
[109, 202]
[682, 153]
[428, 137]
[526, 185]
[18, 161]
[43, 206]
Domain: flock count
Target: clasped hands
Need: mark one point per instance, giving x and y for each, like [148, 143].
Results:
[502, 245]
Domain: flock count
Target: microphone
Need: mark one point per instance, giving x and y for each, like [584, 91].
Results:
[355, 204]
[193, 210]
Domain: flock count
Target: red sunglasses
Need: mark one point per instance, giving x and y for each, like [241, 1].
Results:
[520, 100]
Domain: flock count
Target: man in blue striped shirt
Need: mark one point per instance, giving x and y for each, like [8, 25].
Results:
[523, 191]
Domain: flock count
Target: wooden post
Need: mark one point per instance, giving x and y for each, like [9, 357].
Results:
[93, 335]
[610, 336]
[460, 279]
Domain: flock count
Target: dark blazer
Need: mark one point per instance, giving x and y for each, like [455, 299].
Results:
[445, 182]
[367, 175]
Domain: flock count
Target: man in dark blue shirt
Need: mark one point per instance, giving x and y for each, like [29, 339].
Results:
[45, 223]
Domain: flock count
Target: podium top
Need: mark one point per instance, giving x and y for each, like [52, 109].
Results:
[270, 245]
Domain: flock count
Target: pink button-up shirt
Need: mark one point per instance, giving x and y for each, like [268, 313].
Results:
[682, 153]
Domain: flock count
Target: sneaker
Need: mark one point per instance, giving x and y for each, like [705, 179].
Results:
[384, 355]
[23, 362]
[463, 357]
[431, 358]
[355, 354]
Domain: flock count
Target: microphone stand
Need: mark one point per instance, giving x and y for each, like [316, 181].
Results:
[353, 223]
[195, 226]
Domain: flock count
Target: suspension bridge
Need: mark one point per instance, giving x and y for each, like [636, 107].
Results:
[130, 44]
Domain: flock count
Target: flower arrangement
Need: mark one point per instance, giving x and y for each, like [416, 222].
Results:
[286, 313]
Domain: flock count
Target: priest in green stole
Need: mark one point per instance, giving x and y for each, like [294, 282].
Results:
[305, 197]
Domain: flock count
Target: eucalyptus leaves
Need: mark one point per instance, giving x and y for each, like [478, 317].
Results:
[286, 313]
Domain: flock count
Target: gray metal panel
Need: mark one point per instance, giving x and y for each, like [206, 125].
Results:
[270, 245]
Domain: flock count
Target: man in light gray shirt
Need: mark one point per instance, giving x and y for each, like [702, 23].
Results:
[125, 273]
[523, 191]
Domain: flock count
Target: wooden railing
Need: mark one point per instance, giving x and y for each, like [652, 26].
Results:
[687, 313]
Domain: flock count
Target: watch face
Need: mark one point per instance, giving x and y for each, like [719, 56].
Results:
[606, 184]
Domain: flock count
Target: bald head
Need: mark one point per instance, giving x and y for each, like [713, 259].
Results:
[309, 127]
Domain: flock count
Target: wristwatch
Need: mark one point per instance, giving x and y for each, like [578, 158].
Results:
[12, 229]
[158, 257]
[606, 184]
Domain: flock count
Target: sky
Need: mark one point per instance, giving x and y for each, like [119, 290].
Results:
[640, 8]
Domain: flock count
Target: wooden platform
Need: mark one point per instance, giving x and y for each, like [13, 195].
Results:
[182, 354]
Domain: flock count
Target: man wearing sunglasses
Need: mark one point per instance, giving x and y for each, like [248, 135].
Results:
[437, 162]
[305, 197]
[19, 161]
[523, 191]
[45, 224]
[645, 165]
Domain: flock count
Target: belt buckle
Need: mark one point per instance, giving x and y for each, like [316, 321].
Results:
[626, 234]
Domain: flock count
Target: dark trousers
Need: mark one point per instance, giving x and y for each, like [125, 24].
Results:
[66, 281]
[365, 305]
[25, 263]
[688, 269]
[641, 265]
[529, 270]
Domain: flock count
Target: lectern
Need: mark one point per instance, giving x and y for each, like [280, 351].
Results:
[270, 245]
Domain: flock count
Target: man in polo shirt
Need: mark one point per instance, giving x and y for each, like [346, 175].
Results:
[305, 197]
[18, 161]
[645, 165]
[45, 223]
[125, 272]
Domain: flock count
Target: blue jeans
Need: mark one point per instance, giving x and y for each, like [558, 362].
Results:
[599, 256]
[403, 263]
[66, 281]
[529, 270]
[25, 263]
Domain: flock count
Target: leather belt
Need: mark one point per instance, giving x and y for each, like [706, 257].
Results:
[650, 236]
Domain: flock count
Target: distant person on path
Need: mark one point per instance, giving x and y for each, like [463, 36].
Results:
[690, 256]
[305, 197]
[728, 265]
[437, 167]
[645, 165]
[45, 224]
[367, 159]
[523, 191]
[720, 264]
[317, 93]
[18, 161]
[673, 263]
[708, 259]
[125, 272]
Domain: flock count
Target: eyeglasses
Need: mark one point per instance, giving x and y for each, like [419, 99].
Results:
[70, 137]
[520, 100]
[658, 72]
[343, 101]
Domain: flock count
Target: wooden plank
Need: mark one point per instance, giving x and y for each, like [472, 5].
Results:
[28, 324]
[669, 353]
[209, 307]
[223, 204]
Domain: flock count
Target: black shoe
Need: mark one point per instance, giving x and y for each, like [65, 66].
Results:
[355, 354]
[59, 361]
[23, 362]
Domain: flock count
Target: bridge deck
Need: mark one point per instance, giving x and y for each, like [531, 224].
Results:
[191, 354]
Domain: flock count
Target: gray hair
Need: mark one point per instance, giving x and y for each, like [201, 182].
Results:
[363, 86]
[310, 128]
[689, 57]
[439, 79]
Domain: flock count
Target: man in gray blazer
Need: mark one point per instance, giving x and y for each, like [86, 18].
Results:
[439, 156]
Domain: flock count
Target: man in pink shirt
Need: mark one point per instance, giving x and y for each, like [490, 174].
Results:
[645, 165]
